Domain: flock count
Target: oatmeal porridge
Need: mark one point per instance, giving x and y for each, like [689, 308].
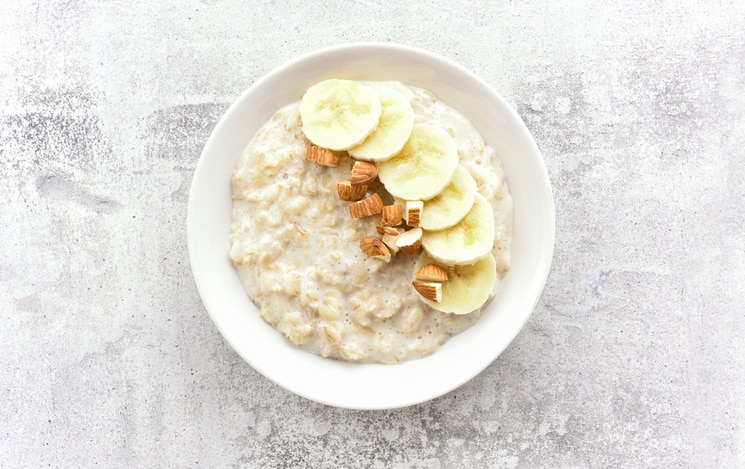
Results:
[303, 259]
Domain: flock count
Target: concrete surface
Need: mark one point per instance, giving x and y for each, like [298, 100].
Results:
[634, 357]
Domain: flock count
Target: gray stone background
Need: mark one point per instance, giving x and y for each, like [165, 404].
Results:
[634, 357]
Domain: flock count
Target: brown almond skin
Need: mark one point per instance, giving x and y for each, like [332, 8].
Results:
[372, 205]
[375, 247]
[426, 289]
[413, 213]
[322, 156]
[349, 192]
[411, 248]
[414, 217]
[390, 231]
[393, 215]
[431, 273]
[363, 172]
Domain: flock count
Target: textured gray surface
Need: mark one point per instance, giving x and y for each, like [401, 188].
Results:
[634, 357]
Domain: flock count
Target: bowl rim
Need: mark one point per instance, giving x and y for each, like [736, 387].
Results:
[206, 291]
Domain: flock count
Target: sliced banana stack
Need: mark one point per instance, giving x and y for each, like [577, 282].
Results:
[437, 200]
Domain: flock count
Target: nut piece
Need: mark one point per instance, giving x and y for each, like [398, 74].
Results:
[393, 215]
[410, 241]
[363, 172]
[390, 238]
[372, 205]
[413, 212]
[350, 193]
[374, 247]
[429, 290]
[431, 273]
[322, 156]
[389, 230]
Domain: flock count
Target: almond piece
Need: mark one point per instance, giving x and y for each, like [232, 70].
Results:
[363, 172]
[372, 205]
[322, 156]
[393, 215]
[430, 290]
[381, 229]
[413, 212]
[410, 241]
[375, 247]
[431, 273]
[390, 238]
[350, 193]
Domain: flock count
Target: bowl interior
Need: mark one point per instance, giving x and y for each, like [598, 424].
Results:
[370, 386]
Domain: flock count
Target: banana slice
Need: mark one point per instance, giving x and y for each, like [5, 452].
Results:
[468, 286]
[451, 205]
[394, 128]
[423, 167]
[339, 114]
[469, 240]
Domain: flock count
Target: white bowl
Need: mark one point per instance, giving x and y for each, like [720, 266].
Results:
[370, 386]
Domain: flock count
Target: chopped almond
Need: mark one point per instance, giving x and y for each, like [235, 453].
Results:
[390, 238]
[429, 290]
[375, 247]
[413, 212]
[350, 193]
[393, 215]
[372, 205]
[363, 172]
[410, 241]
[431, 273]
[322, 156]
[381, 229]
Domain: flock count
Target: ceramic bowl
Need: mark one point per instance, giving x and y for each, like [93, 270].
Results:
[370, 386]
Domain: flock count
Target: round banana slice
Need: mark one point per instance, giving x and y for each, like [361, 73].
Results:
[468, 286]
[394, 128]
[452, 204]
[469, 240]
[423, 167]
[339, 114]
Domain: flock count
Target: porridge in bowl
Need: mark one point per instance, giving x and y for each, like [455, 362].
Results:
[374, 238]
